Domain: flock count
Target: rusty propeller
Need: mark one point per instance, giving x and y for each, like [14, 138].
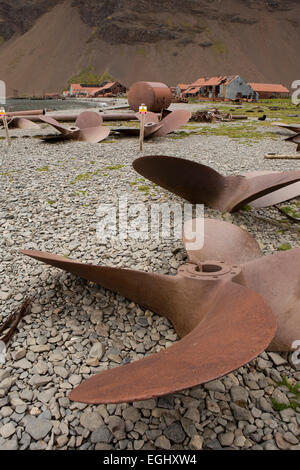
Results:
[159, 128]
[222, 323]
[169, 123]
[275, 277]
[200, 184]
[88, 128]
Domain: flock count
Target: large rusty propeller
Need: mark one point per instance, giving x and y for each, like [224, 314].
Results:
[275, 277]
[200, 184]
[88, 128]
[154, 127]
[222, 323]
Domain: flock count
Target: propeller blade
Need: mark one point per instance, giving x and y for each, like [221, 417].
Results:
[276, 197]
[277, 278]
[237, 326]
[172, 121]
[201, 184]
[290, 127]
[88, 119]
[22, 123]
[222, 241]
[92, 134]
[147, 289]
[192, 181]
[269, 184]
[52, 122]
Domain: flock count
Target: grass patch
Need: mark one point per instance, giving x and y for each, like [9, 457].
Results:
[115, 167]
[86, 176]
[284, 247]
[294, 402]
[44, 168]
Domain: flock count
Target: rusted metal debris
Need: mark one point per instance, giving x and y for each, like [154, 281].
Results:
[158, 128]
[214, 115]
[155, 95]
[88, 128]
[13, 320]
[31, 112]
[200, 184]
[275, 277]
[207, 305]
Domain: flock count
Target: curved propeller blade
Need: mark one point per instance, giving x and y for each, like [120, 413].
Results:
[172, 121]
[276, 197]
[92, 134]
[222, 241]
[199, 183]
[194, 182]
[88, 119]
[276, 278]
[147, 289]
[237, 326]
[22, 123]
[52, 122]
[290, 127]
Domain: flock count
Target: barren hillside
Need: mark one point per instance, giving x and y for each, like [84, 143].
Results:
[44, 43]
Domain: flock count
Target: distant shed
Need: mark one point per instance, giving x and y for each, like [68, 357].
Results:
[270, 90]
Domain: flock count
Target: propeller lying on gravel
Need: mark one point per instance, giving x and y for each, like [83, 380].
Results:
[159, 128]
[223, 324]
[200, 184]
[88, 128]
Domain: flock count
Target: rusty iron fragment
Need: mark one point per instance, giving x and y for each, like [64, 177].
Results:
[88, 128]
[223, 325]
[275, 277]
[200, 184]
[31, 112]
[13, 320]
[155, 95]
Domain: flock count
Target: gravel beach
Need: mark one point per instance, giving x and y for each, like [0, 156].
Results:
[48, 201]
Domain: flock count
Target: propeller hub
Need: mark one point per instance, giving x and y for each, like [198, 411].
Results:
[210, 270]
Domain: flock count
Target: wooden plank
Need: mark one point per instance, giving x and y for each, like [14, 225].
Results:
[295, 156]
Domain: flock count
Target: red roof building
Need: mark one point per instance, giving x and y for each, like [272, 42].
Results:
[222, 87]
[270, 90]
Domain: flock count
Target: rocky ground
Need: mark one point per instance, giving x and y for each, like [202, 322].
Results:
[48, 201]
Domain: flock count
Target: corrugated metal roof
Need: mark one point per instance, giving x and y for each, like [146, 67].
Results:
[213, 81]
[269, 87]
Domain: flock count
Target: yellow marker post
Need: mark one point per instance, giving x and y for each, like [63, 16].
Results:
[143, 112]
[3, 115]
